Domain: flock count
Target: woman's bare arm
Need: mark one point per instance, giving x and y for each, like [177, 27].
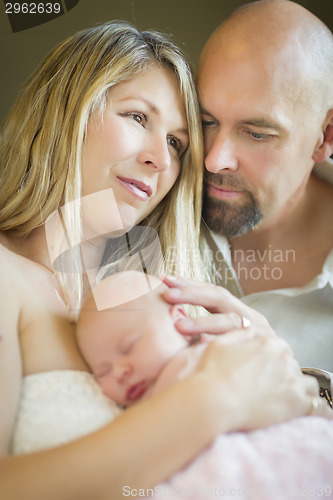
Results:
[10, 357]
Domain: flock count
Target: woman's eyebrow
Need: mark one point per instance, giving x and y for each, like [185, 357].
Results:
[152, 107]
[150, 104]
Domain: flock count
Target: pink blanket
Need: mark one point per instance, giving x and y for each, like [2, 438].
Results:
[288, 461]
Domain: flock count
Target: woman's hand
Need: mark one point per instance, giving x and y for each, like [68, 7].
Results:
[228, 312]
[257, 381]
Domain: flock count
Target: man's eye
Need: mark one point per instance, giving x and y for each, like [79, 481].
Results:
[258, 137]
[208, 122]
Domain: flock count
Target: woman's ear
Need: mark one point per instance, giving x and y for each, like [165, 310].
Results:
[325, 147]
[177, 312]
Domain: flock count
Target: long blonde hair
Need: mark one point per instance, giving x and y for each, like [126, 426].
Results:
[42, 138]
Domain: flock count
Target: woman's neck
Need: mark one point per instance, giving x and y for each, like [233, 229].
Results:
[32, 246]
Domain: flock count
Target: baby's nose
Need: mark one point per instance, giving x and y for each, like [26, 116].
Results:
[122, 371]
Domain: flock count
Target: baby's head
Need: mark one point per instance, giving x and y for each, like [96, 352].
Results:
[128, 341]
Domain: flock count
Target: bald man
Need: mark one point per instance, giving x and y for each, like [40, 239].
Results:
[266, 87]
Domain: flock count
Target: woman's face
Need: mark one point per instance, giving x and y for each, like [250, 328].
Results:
[134, 149]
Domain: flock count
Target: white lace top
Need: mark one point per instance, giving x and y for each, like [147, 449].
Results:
[57, 407]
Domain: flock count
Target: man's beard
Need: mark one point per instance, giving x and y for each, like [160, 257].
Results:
[227, 217]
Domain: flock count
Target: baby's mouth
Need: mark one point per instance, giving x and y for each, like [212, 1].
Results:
[135, 391]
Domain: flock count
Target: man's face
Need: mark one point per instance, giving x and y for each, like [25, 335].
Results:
[259, 140]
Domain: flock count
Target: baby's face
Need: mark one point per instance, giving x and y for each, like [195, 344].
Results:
[129, 346]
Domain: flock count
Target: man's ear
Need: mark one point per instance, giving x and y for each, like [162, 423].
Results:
[177, 312]
[325, 148]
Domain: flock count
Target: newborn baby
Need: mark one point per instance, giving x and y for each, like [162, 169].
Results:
[126, 333]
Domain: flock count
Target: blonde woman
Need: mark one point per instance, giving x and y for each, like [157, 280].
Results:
[110, 112]
[41, 144]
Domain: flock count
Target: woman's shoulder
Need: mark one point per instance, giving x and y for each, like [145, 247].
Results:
[10, 291]
[11, 286]
[5, 253]
[12, 280]
[10, 357]
[17, 272]
[8, 271]
[7, 256]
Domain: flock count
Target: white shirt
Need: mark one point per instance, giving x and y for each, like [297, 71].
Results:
[303, 316]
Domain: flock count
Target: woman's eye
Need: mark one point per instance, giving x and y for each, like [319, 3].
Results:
[176, 143]
[140, 118]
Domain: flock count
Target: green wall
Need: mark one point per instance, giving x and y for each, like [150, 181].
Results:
[190, 21]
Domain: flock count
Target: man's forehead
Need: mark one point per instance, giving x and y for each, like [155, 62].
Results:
[257, 92]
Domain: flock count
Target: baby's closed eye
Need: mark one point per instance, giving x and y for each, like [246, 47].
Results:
[102, 370]
[129, 344]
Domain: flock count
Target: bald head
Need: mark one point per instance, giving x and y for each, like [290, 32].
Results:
[265, 84]
[276, 32]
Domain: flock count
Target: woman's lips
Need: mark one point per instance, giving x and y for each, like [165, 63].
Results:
[136, 187]
[136, 391]
[223, 193]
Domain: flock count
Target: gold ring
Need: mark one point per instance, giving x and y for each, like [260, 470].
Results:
[314, 406]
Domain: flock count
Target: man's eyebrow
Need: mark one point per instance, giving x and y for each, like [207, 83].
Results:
[263, 123]
[255, 122]
[203, 111]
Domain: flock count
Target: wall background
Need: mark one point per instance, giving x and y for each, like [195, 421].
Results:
[190, 21]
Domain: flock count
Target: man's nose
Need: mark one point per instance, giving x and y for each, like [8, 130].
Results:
[221, 154]
[156, 153]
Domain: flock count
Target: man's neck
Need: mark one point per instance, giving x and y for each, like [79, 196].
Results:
[290, 249]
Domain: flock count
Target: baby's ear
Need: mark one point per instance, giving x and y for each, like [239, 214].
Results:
[177, 312]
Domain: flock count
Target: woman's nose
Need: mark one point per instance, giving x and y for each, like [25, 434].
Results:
[156, 153]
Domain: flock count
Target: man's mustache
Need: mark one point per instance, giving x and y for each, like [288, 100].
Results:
[230, 181]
